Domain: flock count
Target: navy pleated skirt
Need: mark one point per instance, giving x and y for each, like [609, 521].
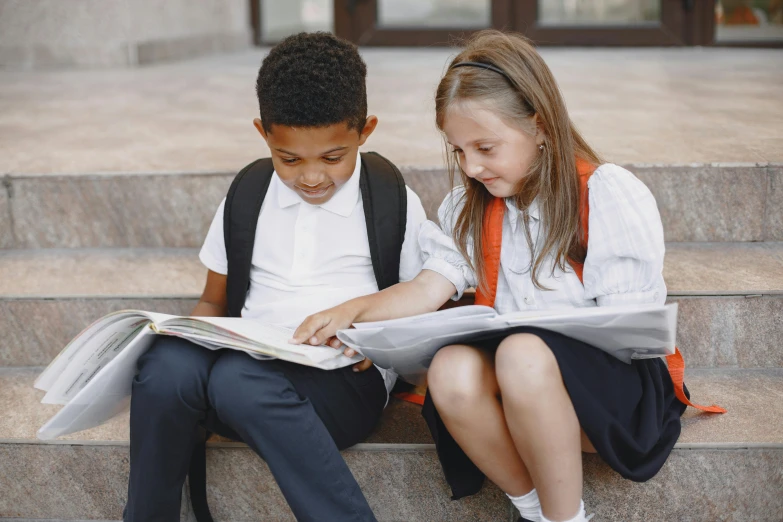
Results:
[628, 411]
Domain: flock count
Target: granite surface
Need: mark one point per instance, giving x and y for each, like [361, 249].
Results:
[730, 332]
[674, 106]
[773, 223]
[35, 330]
[754, 399]
[115, 211]
[708, 204]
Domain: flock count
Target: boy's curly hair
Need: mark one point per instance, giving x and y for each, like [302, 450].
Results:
[312, 80]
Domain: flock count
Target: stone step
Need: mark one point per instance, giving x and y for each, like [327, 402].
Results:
[730, 295]
[742, 202]
[725, 467]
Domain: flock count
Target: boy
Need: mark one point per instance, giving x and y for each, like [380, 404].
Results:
[315, 246]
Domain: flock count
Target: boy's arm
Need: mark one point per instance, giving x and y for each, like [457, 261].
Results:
[213, 302]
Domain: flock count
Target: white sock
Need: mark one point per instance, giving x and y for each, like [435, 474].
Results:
[580, 516]
[528, 505]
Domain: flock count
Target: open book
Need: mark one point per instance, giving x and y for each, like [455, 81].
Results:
[408, 345]
[92, 375]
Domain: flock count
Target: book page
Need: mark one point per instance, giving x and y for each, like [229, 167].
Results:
[84, 341]
[103, 346]
[626, 333]
[456, 313]
[249, 335]
[104, 396]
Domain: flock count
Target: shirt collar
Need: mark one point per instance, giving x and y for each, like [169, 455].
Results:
[514, 213]
[341, 203]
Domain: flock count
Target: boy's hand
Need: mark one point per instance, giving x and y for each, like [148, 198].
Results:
[361, 366]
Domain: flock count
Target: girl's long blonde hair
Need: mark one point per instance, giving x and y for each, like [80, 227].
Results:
[527, 89]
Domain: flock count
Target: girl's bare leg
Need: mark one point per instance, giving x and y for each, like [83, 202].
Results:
[542, 421]
[465, 391]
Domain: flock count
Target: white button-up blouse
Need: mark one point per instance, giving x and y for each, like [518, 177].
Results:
[624, 264]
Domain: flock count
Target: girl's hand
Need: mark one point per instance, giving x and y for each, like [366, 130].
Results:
[322, 327]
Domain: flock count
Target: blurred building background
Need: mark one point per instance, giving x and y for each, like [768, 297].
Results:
[40, 34]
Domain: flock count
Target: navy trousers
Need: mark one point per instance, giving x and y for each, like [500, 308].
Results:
[296, 418]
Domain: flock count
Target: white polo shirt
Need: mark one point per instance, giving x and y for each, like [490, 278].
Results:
[307, 258]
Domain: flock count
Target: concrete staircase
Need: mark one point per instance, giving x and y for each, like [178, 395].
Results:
[78, 246]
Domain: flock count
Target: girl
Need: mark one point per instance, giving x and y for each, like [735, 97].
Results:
[519, 407]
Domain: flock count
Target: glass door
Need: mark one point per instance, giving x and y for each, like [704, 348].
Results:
[562, 22]
[417, 22]
[749, 23]
[608, 22]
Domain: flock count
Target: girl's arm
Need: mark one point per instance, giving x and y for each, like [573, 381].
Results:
[213, 302]
[425, 293]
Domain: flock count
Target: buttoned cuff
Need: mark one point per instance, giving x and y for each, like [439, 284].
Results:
[632, 298]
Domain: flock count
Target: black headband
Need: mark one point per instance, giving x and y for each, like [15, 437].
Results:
[482, 65]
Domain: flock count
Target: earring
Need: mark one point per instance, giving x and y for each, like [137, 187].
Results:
[541, 147]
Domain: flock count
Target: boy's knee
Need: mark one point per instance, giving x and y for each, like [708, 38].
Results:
[235, 390]
[525, 363]
[167, 376]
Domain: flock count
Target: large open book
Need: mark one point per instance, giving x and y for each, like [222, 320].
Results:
[92, 375]
[408, 345]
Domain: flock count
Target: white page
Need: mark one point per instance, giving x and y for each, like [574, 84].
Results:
[105, 396]
[92, 375]
[74, 348]
[458, 312]
[253, 336]
[626, 333]
[108, 392]
[320, 357]
[84, 364]
[411, 362]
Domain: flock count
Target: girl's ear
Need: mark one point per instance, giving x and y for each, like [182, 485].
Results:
[540, 131]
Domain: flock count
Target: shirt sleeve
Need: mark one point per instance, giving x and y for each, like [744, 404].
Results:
[625, 251]
[410, 256]
[439, 250]
[213, 252]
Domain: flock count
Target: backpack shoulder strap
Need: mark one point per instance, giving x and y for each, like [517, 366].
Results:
[385, 202]
[584, 171]
[240, 219]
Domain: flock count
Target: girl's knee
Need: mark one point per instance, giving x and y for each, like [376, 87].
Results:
[524, 362]
[458, 375]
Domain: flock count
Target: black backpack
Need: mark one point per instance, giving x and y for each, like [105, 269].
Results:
[385, 211]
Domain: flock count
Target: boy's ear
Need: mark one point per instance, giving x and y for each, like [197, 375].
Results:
[369, 127]
[260, 128]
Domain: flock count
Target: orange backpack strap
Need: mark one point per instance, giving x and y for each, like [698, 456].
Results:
[414, 397]
[584, 170]
[677, 373]
[490, 250]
